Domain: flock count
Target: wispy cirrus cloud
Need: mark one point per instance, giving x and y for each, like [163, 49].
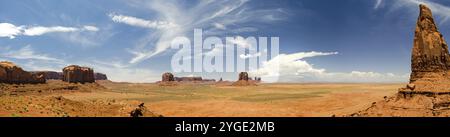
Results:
[12, 31]
[138, 22]
[27, 53]
[214, 17]
[437, 8]
[377, 4]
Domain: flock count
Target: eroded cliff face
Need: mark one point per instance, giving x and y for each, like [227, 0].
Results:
[13, 74]
[430, 60]
[100, 76]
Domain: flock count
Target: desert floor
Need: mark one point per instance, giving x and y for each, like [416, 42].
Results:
[272, 100]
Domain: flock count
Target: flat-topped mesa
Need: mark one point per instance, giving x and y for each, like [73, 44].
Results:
[77, 74]
[430, 59]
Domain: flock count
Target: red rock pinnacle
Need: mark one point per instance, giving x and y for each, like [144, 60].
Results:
[430, 61]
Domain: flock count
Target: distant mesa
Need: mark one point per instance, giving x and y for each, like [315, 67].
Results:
[100, 76]
[244, 80]
[53, 75]
[50, 75]
[77, 74]
[168, 79]
[13, 74]
[193, 79]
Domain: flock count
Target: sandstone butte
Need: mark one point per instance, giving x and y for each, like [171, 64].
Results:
[77, 74]
[430, 60]
[167, 77]
[244, 80]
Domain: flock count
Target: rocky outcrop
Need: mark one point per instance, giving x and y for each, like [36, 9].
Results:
[100, 76]
[188, 79]
[50, 75]
[243, 76]
[208, 80]
[77, 74]
[193, 79]
[244, 80]
[257, 79]
[12, 74]
[409, 105]
[430, 60]
[166, 77]
[53, 75]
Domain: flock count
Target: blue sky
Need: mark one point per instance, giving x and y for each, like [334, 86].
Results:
[320, 40]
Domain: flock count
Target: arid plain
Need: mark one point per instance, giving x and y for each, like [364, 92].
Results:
[106, 98]
[216, 100]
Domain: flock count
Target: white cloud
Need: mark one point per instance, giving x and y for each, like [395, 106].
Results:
[288, 64]
[28, 53]
[134, 21]
[293, 68]
[11, 30]
[36, 31]
[91, 28]
[139, 56]
[219, 26]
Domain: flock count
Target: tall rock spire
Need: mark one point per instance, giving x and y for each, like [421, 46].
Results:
[430, 51]
[430, 61]
[428, 93]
